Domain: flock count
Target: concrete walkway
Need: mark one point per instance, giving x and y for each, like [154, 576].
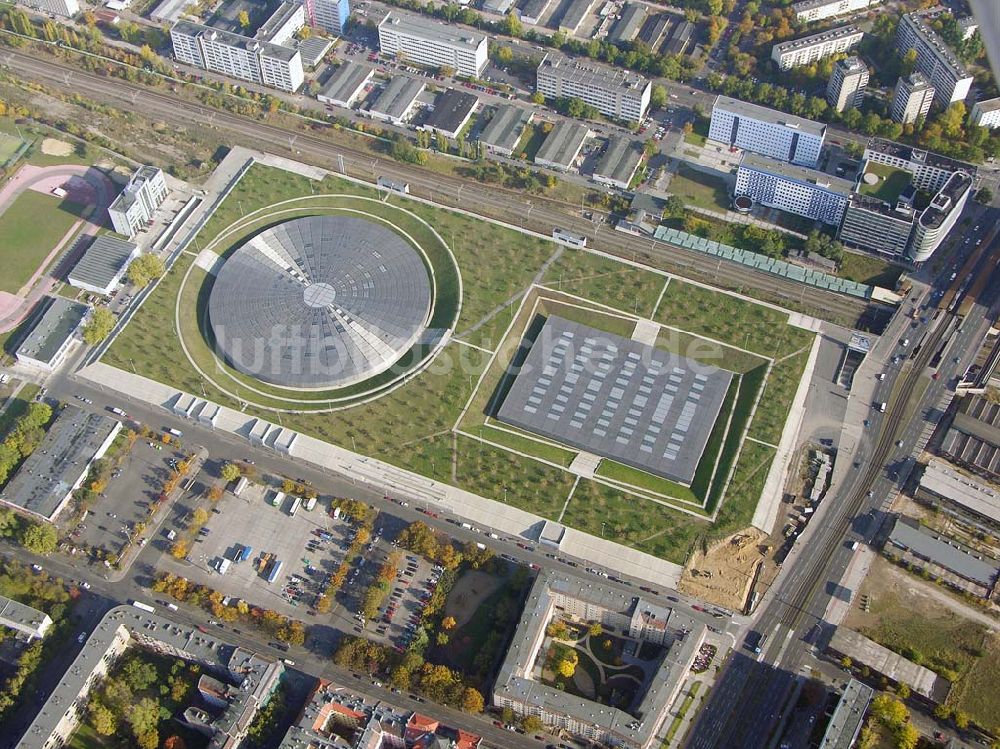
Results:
[386, 477]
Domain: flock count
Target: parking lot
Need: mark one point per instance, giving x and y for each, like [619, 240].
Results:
[272, 536]
[125, 501]
[400, 615]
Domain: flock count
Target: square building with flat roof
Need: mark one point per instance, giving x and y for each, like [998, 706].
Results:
[616, 398]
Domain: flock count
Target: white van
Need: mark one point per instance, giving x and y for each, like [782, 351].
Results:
[172, 606]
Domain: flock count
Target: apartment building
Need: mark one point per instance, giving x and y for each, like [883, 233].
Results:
[940, 217]
[876, 226]
[808, 49]
[237, 56]
[986, 113]
[329, 15]
[935, 60]
[911, 99]
[928, 171]
[808, 11]
[766, 131]
[794, 189]
[135, 205]
[847, 84]
[620, 94]
[433, 44]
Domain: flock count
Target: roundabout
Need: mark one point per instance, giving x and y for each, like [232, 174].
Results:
[318, 303]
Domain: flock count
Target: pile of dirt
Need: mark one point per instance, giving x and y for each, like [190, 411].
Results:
[55, 147]
[723, 575]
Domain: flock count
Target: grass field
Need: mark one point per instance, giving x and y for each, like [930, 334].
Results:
[870, 270]
[699, 189]
[9, 145]
[30, 228]
[413, 427]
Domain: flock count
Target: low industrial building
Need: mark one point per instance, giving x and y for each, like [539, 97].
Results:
[312, 50]
[396, 101]
[680, 38]
[898, 670]
[103, 265]
[503, 132]
[170, 11]
[963, 498]
[499, 7]
[50, 338]
[66, 8]
[973, 439]
[615, 93]
[248, 679]
[134, 207]
[809, 49]
[345, 86]
[562, 146]
[808, 11]
[628, 24]
[28, 622]
[619, 163]
[793, 189]
[573, 15]
[639, 620]
[335, 718]
[986, 113]
[845, 724]
[46, 480]
[655, 29]
[950, 560]
[451, 113]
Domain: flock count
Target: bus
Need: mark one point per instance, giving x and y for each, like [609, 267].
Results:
[143, 606]
[296, 501]
[310, 503]
[277, 499]
[568, 238]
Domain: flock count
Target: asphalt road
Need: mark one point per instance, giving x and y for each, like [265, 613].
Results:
[754, 692]
[535, 212]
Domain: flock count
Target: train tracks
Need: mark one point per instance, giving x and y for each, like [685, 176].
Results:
[531, 211]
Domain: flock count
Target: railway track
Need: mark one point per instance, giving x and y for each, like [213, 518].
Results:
[537, 213]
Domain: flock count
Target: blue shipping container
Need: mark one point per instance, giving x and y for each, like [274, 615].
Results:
[275, 571]
[245, 553]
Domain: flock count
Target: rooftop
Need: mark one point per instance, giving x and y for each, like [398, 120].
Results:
[592, 75]
[574, 14]
[804, 5]
[799, 173]
[397, 96]
[18, 616]
[452, 109]
[867, 652]
[346, 80]
[620, 159]
[943, 551]
[945, 481]
[845, 723]
[504, 130]
[48, 475]
[919, 22]
[563, 143]
[284, 13]
[988, 105]
[772, 116]
[313, 49]
[103, 262]
[916, 156]
[852, 64]
[59, 321]
[628, 25]
[840, 32]
[231, 39]
[946, 199]
[432, 30]
[890, 182]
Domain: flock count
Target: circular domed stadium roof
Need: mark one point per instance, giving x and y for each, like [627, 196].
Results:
[320, 302]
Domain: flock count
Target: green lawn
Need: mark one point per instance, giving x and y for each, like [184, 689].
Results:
[16, 407]
[9, 145]
[699, 189]
[30, 228]
[699, 134]
[531, 140]
[891, 182]
[606, 281]
[869, 270]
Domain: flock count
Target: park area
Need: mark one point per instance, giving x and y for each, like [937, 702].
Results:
[927, 624]
[418, 426]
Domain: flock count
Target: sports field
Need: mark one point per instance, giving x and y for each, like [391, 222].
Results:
[29, 229]
[9, 145]
[435, 424]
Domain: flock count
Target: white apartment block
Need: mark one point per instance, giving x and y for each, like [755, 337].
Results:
[808, 49]
[433, 44]
[847, 84]
[283, 24]
[237, 56]
[615, 93]
[68, 8]
[911, 99]
[808, 11]
[768, 132]
[939, 64]
[329, 15]
[135, 205]
[794, 189]
[986, 113]
[940, 217]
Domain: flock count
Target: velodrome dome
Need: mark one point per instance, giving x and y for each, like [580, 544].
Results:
[320, 302]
